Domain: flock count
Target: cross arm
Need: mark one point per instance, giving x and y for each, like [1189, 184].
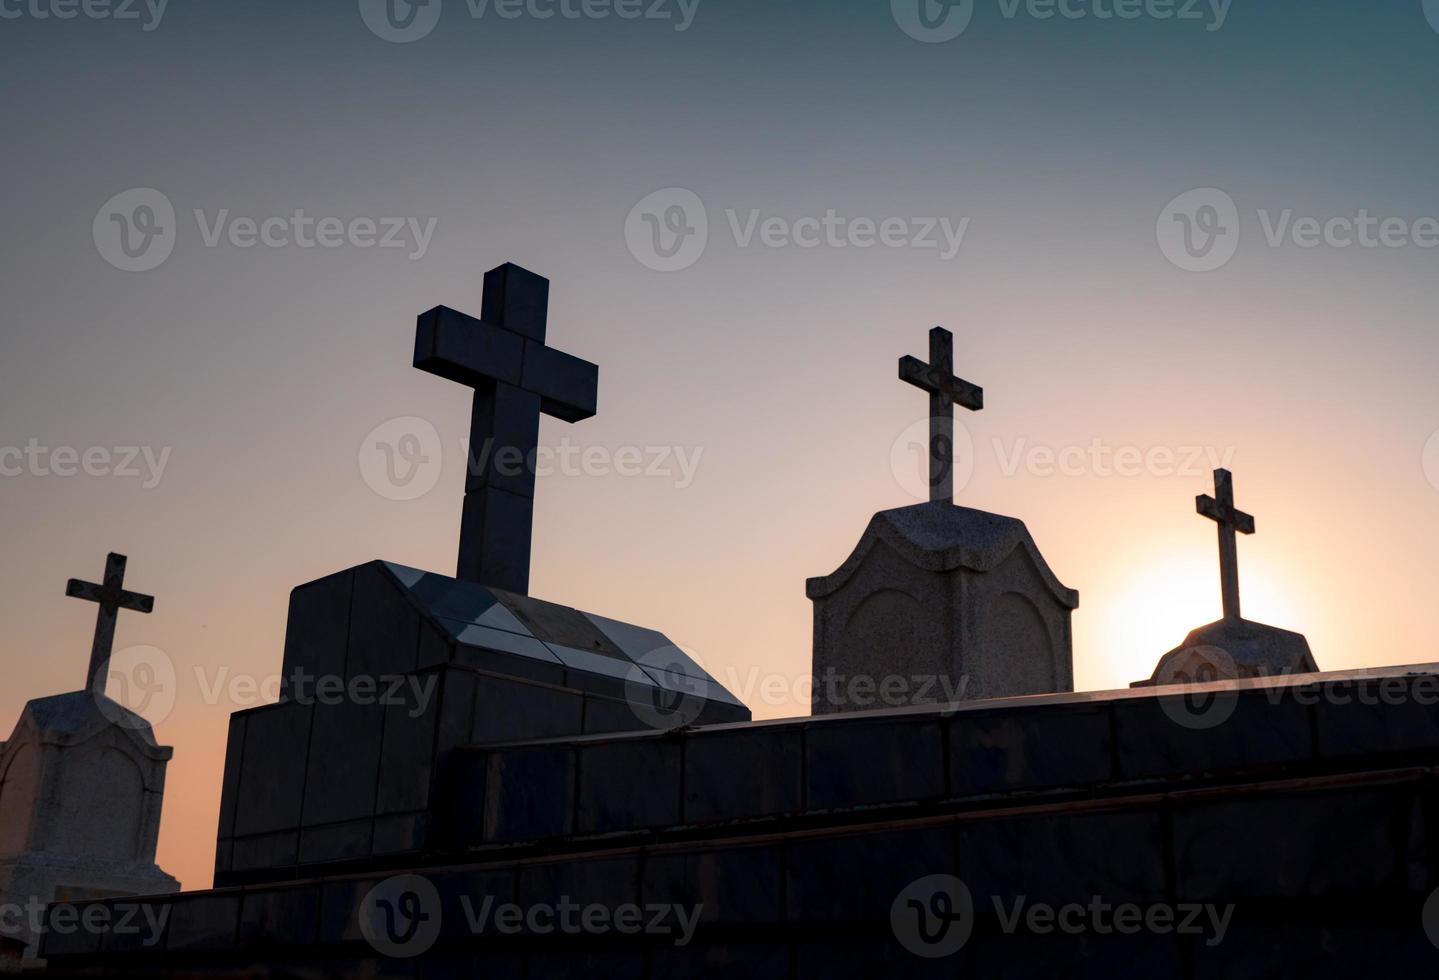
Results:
[568, 386]
[914, 371]
[1212, 509]
[472, 352]
[88, 591]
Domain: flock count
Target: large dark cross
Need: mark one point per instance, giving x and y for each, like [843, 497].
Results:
[516, 377]
[1222, 511]
[112, 597]
[945, 391]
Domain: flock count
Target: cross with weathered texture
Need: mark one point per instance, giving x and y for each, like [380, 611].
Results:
[1230, 520]
[112, 597]
[516, 377]
[945, 391]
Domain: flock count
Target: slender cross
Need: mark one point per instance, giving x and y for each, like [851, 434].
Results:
[112, 597]
[945, 391]
[516, 377]
[1230, 520]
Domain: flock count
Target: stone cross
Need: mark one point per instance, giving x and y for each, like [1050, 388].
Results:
[516, 377]
[1222, 511]
[112, 597]
[945, 391]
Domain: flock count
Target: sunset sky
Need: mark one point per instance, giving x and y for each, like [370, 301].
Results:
[257, 373]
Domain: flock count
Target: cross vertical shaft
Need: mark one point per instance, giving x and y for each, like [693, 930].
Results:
[516, 378]
[945, 391]
[1220, 509]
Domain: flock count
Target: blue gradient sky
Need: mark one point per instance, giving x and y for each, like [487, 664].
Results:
[531, 140]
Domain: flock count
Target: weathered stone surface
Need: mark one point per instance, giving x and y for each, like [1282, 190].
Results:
[81, 784]
[1006, 750]
[885, 761]
[1235, 648]
[1332, 853]
[743, 774]
[628, 785]
[940, 603]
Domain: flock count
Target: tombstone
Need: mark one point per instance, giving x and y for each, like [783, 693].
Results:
[1234, 647]
[940, 602]
[82, 780]
[447, 663]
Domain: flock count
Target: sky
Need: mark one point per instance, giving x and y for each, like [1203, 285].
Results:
[1163, 243]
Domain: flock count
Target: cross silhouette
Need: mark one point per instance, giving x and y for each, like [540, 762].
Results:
[1222, 511]
[945, 391]
[516, 378]
[112, 597]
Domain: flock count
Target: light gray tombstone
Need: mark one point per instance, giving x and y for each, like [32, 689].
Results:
[940, 603]
[1234, 647]
[81, 784]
